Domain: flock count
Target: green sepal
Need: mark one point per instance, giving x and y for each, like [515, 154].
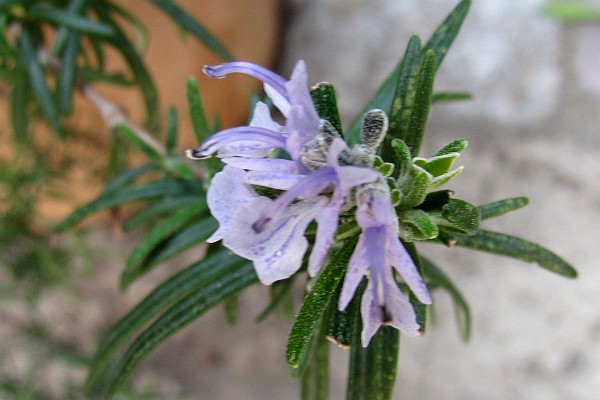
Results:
[414, 187]
[457, 216]
[515, 247]
[315, 304]
[501, 207]
[417, 225]
[438, 278]
[323, 96]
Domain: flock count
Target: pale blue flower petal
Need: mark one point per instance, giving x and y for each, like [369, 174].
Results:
[403, 263]
[357, 268]
[226, 194]
[261, 117]
[278, 250]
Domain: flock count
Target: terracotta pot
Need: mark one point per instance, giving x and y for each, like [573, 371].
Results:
[249, 31]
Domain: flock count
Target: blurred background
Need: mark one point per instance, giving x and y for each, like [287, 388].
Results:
[533, 129]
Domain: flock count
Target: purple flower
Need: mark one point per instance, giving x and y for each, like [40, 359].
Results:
[271, 232]
[291, 97]
[378, 251]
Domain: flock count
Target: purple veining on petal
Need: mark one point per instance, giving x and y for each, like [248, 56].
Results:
[278, 250]
[270, 78]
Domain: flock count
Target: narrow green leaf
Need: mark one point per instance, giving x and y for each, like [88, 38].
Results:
[180, 285]
[437, 165]
[450, 96]
[18, 112]
[231, 309]
[462, 311]
[70, 20]
[372, 371]
[91, 75]
[414, 187]
[188, 23]
[137, 66]
[157, 209]
[315, 379]
[75, 7]
[511, 246]
[66, 77]
[134, 140]
[178, 316]
[422, 102]
[571, 12]
[501, 207]
[405, 92]
[192, 235]
[146, 191]
[315, 304]
[128, 176]
[444, 35]
[196, 109]
[172, 131]
[136, 264]
[323, 95]
[38, 81]
[340, 326]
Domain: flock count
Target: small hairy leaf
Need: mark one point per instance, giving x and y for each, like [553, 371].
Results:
[456, 146]
[417, 225]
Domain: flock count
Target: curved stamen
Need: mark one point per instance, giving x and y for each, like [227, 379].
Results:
[310, 186]
[270, 78]
[238, 134]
